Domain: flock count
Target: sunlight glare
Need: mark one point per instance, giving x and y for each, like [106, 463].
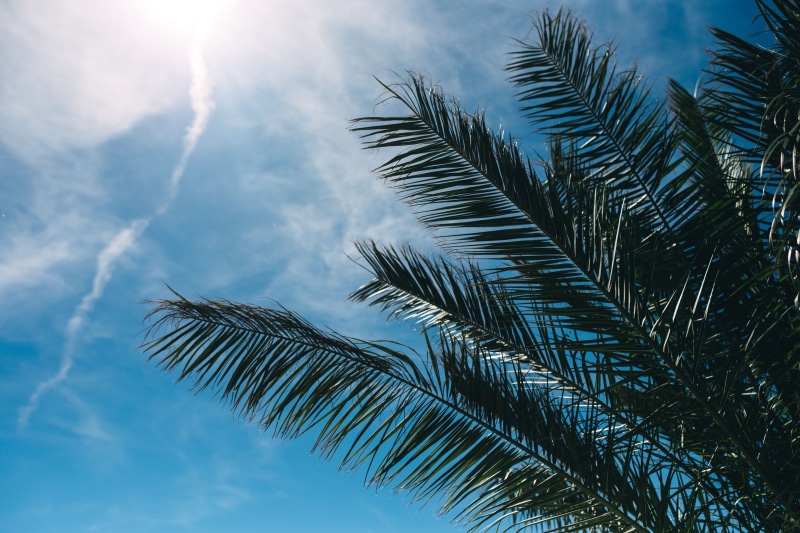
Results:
[186, 17]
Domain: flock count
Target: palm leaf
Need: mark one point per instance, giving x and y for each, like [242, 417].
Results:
[755, 90]
[461, 426]
[569, 88]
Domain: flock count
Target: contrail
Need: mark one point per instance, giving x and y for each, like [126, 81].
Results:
[106, 260]
[202, 105]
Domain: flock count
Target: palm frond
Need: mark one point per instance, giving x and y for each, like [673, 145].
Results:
[755, 93]
[571, 89]
[600, 389]
[469, 179]
[458, 425]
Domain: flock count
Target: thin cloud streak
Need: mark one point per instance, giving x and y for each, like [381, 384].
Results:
[106, 260]
[202, 105]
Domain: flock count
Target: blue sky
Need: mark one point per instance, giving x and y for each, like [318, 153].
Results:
[205, 145]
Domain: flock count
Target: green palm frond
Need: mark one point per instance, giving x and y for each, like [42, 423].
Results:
[755, 91]
[476, 191]
[570, 88]
[438, 293]
[425, 428]
[566, 252]
[603, 392]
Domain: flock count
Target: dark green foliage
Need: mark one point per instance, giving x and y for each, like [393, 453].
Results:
[612, 340]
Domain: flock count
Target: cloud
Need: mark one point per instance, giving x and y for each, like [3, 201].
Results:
[75, 75]
[125, 239]
[106, 260]
[202, 105]
[299, 72]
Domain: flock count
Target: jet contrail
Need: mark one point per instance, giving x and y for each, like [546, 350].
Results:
[106, 260]
[202, 105]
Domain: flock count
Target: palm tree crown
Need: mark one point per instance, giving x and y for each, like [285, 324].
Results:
[611, 334]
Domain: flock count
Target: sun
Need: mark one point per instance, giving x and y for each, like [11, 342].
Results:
[185, 17]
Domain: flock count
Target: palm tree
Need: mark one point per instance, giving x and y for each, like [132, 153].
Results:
[611, 342]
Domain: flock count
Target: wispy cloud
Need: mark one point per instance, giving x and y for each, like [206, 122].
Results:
[202, 105]
[74, 77]
[310, 69]
[106, 261]
[126, 238]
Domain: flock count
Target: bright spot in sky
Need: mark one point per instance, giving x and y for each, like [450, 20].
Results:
[185, 17]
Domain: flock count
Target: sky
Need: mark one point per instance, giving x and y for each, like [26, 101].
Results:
[204, 144]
